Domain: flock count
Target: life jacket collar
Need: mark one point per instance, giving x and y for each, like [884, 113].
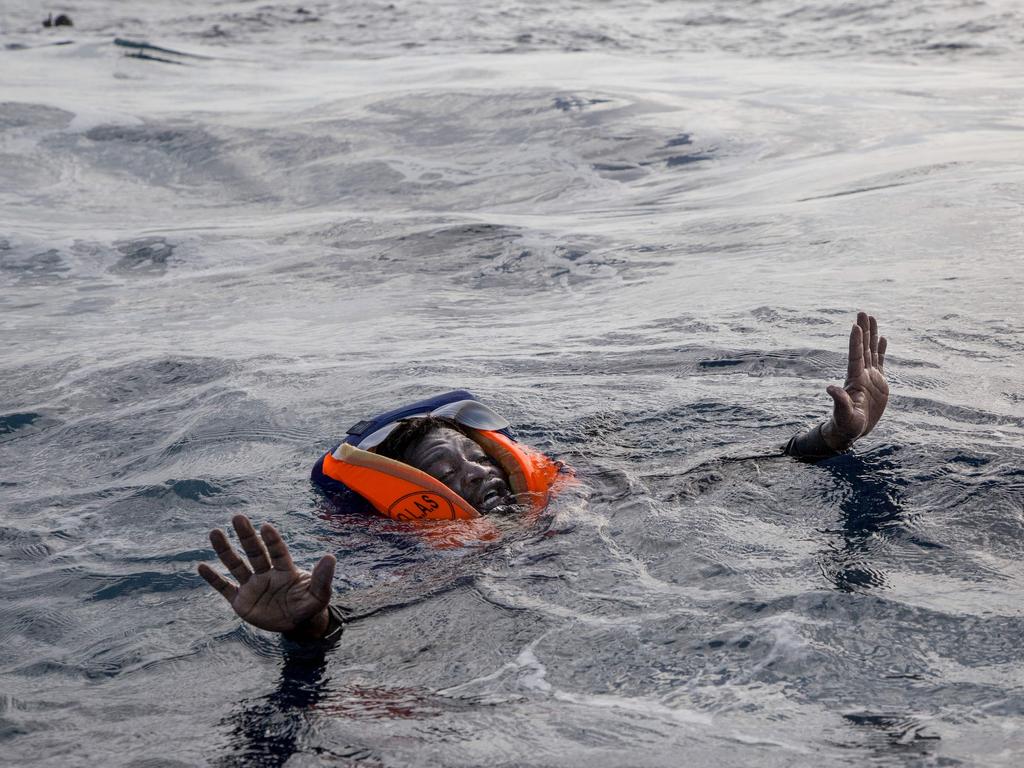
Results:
[467, 413]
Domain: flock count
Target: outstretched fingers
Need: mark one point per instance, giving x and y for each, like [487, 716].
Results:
[251, 543]
[218, 582]
[874, 341]
[864, 321]
[227, 555]
[279, 557]
[323, 577]
[855, 360]
[882, 346]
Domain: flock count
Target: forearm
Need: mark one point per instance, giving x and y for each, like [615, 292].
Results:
[820, 442]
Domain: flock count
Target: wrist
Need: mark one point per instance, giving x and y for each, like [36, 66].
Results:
[833, 438]
[313, 628]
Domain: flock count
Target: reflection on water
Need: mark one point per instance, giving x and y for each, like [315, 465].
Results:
[872, 511]
[266, 731]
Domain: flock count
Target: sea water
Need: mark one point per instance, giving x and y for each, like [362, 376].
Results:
[639, 230]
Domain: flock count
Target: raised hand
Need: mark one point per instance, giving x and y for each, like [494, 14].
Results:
[272, 594]
[860, 402]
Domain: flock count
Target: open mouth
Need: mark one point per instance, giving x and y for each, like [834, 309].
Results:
[495, 501]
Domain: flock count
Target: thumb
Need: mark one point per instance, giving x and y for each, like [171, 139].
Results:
[841, 398]
[323, 576]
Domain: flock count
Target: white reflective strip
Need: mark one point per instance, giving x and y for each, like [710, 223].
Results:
[377, 437]
[374, 439]
[469, 413]
[472, 413]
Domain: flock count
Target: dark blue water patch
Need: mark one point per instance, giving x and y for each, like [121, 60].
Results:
[572, 103]
[800, 363]
[850, 573]
[16, 544]
[14, 421]
[146, 582]
[266, 731]
[719, 363]
[144, 50]
[905, 736]
[679, 160]
[186, 490]
[145, 56]
[628, 159]
[189, 556]
[49, 668]
[971, 461]
[618, 168]
[10, 729]
[879, 516]
[33, 266]
[950, 46]
[15, 427]
[145, 255]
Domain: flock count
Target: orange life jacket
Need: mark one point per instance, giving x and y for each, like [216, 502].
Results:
[402, 492]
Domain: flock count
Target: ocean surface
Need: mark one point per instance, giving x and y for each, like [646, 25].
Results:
[640, 230]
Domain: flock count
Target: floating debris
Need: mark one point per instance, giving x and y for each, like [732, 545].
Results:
[143, 50]
[62, 20]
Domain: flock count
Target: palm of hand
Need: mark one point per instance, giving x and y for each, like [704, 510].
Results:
[869, 394]
[859, 404]
[277, 601]
[272, 594]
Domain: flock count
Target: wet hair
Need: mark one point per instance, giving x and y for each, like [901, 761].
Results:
[410, 432]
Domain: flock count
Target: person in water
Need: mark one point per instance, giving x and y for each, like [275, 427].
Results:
[273, 594]
[442, 448]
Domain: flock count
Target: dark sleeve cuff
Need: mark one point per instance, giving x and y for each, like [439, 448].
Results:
[335, 628]
[810, 446]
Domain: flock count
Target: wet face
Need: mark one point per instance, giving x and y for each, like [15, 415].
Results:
[461, 464]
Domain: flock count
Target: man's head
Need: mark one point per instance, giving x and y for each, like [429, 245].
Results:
[442, 449]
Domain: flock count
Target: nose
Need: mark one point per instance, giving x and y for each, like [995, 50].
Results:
[475, 474]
